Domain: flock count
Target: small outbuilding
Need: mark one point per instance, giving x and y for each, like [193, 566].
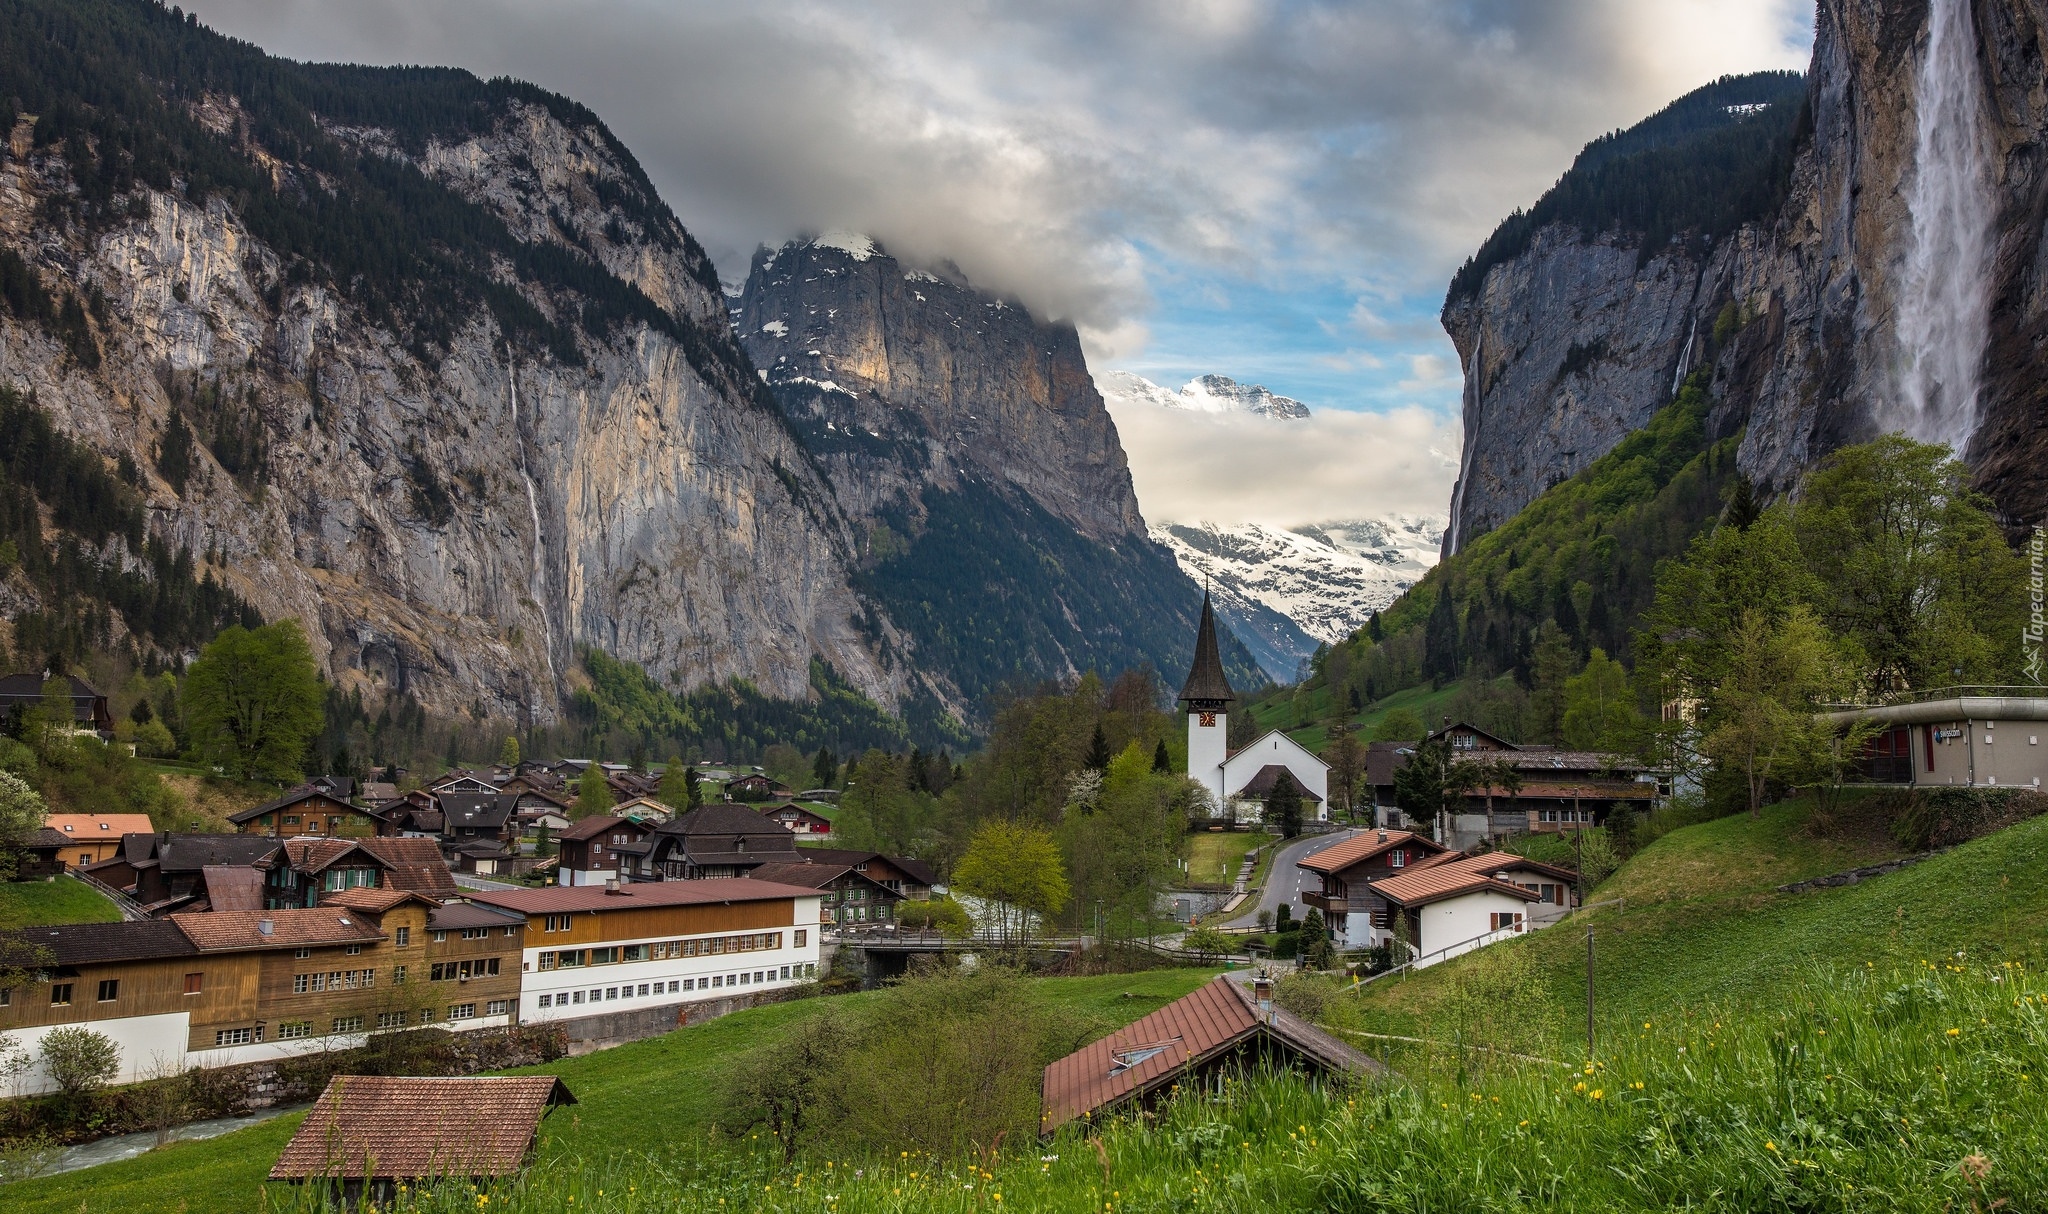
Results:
[369, 1133]
[1192, 1042]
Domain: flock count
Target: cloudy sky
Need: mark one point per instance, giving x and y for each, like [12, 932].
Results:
[1268, 189]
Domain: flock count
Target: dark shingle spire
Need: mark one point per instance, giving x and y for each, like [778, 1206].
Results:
[1206, 685]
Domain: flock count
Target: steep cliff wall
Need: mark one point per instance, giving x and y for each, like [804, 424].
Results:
[920, 357]
[1818, 355]
[538, 434]
[965, 441]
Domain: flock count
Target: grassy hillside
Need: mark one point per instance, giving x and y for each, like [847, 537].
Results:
[1701, 925]
[36, 903]
[651, 1093]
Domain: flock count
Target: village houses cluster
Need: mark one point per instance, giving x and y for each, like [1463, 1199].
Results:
[334, 912]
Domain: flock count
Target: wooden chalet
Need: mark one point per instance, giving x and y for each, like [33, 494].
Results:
[91, 838]
[1561, 790]
[712, 841]
[596, 848]
[1219, 1030]
[849, 897]
[301, 871]
[368, 1134]
[308, 811]
[21, 694]
[798, 820]
[756, 787]
[898, 874]
[41, 855]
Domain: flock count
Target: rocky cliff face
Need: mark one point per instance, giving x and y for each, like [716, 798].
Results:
[453, 519]
[1578, 339]
[966, 444]
[965, 383]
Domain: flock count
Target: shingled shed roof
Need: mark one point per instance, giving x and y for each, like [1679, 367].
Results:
[1198, 1028]
[392, 1127]
[1206, 681]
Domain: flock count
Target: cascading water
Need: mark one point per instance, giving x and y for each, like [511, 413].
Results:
[1684, 357]
[535, 584]
[1944, 300]
[1471, 444]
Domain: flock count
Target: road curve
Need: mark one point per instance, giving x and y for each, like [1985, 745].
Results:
[1286, 882]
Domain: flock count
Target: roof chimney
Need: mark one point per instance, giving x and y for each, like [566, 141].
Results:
[1383, 836]
[611, 886]
[1262, 994]
[264, 927]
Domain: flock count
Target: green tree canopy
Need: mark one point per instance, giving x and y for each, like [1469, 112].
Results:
[1600, 706]
[1400, 725]
[1017, 867]
[1909, 566]
[21, 813]
[253, 698]
[508, 754]
[593, 795]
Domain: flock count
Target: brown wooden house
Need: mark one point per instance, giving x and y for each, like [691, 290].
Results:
[308, 811]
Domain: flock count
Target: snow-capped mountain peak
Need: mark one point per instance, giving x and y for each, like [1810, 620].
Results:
[1203, 394]
[1283, 590]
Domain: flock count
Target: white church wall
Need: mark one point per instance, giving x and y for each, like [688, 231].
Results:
[1277, 748]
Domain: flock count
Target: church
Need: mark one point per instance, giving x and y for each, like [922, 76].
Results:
[1240, 780]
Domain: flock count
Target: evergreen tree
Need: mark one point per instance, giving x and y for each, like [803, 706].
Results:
[1162, 762]
[693, 788]
[1283, 806]
[1098, 751]
[1440, 640]
[174, 456]
[825, 768]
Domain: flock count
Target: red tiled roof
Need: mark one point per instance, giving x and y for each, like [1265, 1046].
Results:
[237, 931]
[565, 899]
[99, 826]
[416, 864]
[1487, 864]
[1419, 887]
[1187, 1032]
[407, 1128]
[373, 901]
[591, 827]
[1352, 851]
[232, 887]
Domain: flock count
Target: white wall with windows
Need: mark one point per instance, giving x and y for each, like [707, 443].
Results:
[569, 981]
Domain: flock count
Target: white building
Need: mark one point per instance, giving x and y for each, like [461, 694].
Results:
[597, 950]
[1240, 782]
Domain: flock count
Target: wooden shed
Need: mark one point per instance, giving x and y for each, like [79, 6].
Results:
[369, 1133]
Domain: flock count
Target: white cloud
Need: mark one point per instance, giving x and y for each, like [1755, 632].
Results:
[1331, 465]
[1062, 149]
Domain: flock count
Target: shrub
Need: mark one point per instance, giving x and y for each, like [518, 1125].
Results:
[80, 1061]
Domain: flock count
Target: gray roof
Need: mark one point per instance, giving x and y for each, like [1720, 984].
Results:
[1207, 683]
[90, 943]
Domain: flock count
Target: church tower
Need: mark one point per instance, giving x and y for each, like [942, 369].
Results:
[1208, 697]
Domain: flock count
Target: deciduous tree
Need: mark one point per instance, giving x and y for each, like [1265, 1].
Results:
[253, 698]
[1017, 868]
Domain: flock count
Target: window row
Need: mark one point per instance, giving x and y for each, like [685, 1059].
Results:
[601, 994]
[475, 967]
[292, 1030]
[335, 980]
[663, 950]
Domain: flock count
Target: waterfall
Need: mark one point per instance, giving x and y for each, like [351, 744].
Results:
[536, 584]
[1944, 300]
[1471, 444]
[1684, 357]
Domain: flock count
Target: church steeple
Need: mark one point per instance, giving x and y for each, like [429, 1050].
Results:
[1207, 688]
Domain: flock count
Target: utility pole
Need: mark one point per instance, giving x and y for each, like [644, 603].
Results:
[1589, 992]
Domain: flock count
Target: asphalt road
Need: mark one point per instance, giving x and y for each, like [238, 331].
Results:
[1286, 882]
